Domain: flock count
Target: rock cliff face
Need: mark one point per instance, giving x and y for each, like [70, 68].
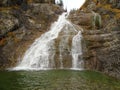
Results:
[7, 3]
[21, 25]
[101, 35]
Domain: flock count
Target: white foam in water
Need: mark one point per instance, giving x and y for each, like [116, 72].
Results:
[40, 55]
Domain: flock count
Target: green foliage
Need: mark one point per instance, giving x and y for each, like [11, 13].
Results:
[98, 21]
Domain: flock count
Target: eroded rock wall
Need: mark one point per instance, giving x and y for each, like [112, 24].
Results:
[101, 45]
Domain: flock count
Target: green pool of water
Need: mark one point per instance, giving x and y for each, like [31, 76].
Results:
[57, 80]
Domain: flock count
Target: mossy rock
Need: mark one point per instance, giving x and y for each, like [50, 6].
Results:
[96, 21]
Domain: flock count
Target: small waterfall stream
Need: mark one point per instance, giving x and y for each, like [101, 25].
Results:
[59, 48]
[77, 61]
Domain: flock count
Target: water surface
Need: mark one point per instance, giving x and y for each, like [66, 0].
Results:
[56, 80]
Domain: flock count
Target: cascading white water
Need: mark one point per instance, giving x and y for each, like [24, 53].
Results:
[77, 62]
[62, 39]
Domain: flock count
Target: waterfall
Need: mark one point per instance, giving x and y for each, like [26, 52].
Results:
[77, 61]
[58, 48]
